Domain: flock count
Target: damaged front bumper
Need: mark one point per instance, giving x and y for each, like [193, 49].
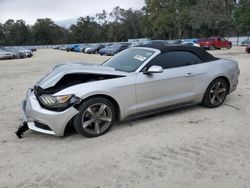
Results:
[43, 120]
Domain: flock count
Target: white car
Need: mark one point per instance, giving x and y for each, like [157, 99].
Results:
[137, 81]
[87, 49]
[26, 52]
[5, 55]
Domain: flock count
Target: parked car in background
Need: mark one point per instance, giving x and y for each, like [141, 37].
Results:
[201, 40]
[160, 42]
[32, 49]
[248, 48]
[64, 47]
[81, 48]
[140, 80]
[104, 50]
[178, 41]
[15, 53]
[133, 44]
[245, 42]
[213, 43]
[5, 55]
[88, 47]
[77, 48]
[190, 44]
[113, 49]
[185, 42]
[56, 47]
[93, 49]
[71, 47]
[28, 53]
[194, 40]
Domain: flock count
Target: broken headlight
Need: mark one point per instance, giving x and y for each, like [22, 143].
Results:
[62, 101]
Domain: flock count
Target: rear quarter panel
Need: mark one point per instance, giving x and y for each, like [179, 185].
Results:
[222, 68]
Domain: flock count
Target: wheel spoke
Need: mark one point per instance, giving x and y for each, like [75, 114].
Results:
[97, 127]
[101, 109]
[87, 123]
[212, 91]
[218, 84]
[106, 119]
[97, 118]
[213, 99]
[89, 110]
[222, 90]
[218, 98]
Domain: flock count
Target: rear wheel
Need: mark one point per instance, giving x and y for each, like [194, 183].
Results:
[216, 93]
[95, 118]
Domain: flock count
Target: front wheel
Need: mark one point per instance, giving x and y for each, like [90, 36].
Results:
[95, 118]
[216, 93]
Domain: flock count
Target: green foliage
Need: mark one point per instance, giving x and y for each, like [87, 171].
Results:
[242, 16]
[126, 24]
[2, 35]
[16, 33]
[45, 31]
[86, 30]
[159, 19]
[213, 17]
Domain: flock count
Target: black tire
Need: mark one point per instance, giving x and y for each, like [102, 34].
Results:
[216, 93]
[212, 47]
[92, 105]
[229, 46]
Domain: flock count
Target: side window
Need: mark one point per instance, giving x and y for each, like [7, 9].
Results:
[174, 59]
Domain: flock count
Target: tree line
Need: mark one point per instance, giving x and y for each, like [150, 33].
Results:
[158, 19]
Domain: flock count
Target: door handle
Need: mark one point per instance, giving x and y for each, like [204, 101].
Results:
[188, 74]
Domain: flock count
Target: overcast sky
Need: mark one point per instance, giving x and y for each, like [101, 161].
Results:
[59, 10]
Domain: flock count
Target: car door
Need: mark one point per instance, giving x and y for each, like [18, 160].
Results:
[177, 83]
[224, 43]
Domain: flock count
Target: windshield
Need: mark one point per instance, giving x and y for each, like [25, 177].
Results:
[129, 60]
[113, 47]
[92, 46]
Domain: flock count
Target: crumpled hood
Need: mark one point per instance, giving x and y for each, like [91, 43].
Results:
[63, 69]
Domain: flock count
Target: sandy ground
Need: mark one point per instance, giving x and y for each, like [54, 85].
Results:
[193, 147]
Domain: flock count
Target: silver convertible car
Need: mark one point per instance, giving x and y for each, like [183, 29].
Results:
[138, 81]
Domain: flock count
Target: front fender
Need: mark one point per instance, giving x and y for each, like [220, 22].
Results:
[122, 90]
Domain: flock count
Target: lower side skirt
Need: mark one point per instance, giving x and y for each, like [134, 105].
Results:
[160, 110]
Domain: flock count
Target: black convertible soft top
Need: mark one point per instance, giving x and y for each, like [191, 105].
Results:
[200, 52]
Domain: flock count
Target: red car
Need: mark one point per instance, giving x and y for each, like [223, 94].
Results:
[213, 43]
[248, 49]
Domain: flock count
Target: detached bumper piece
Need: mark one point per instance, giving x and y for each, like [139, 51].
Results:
[21, 130]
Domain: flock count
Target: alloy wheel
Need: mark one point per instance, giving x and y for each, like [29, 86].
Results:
[96, 118]
[217, 93]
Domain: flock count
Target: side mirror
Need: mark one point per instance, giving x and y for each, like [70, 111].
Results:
[154, 69]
